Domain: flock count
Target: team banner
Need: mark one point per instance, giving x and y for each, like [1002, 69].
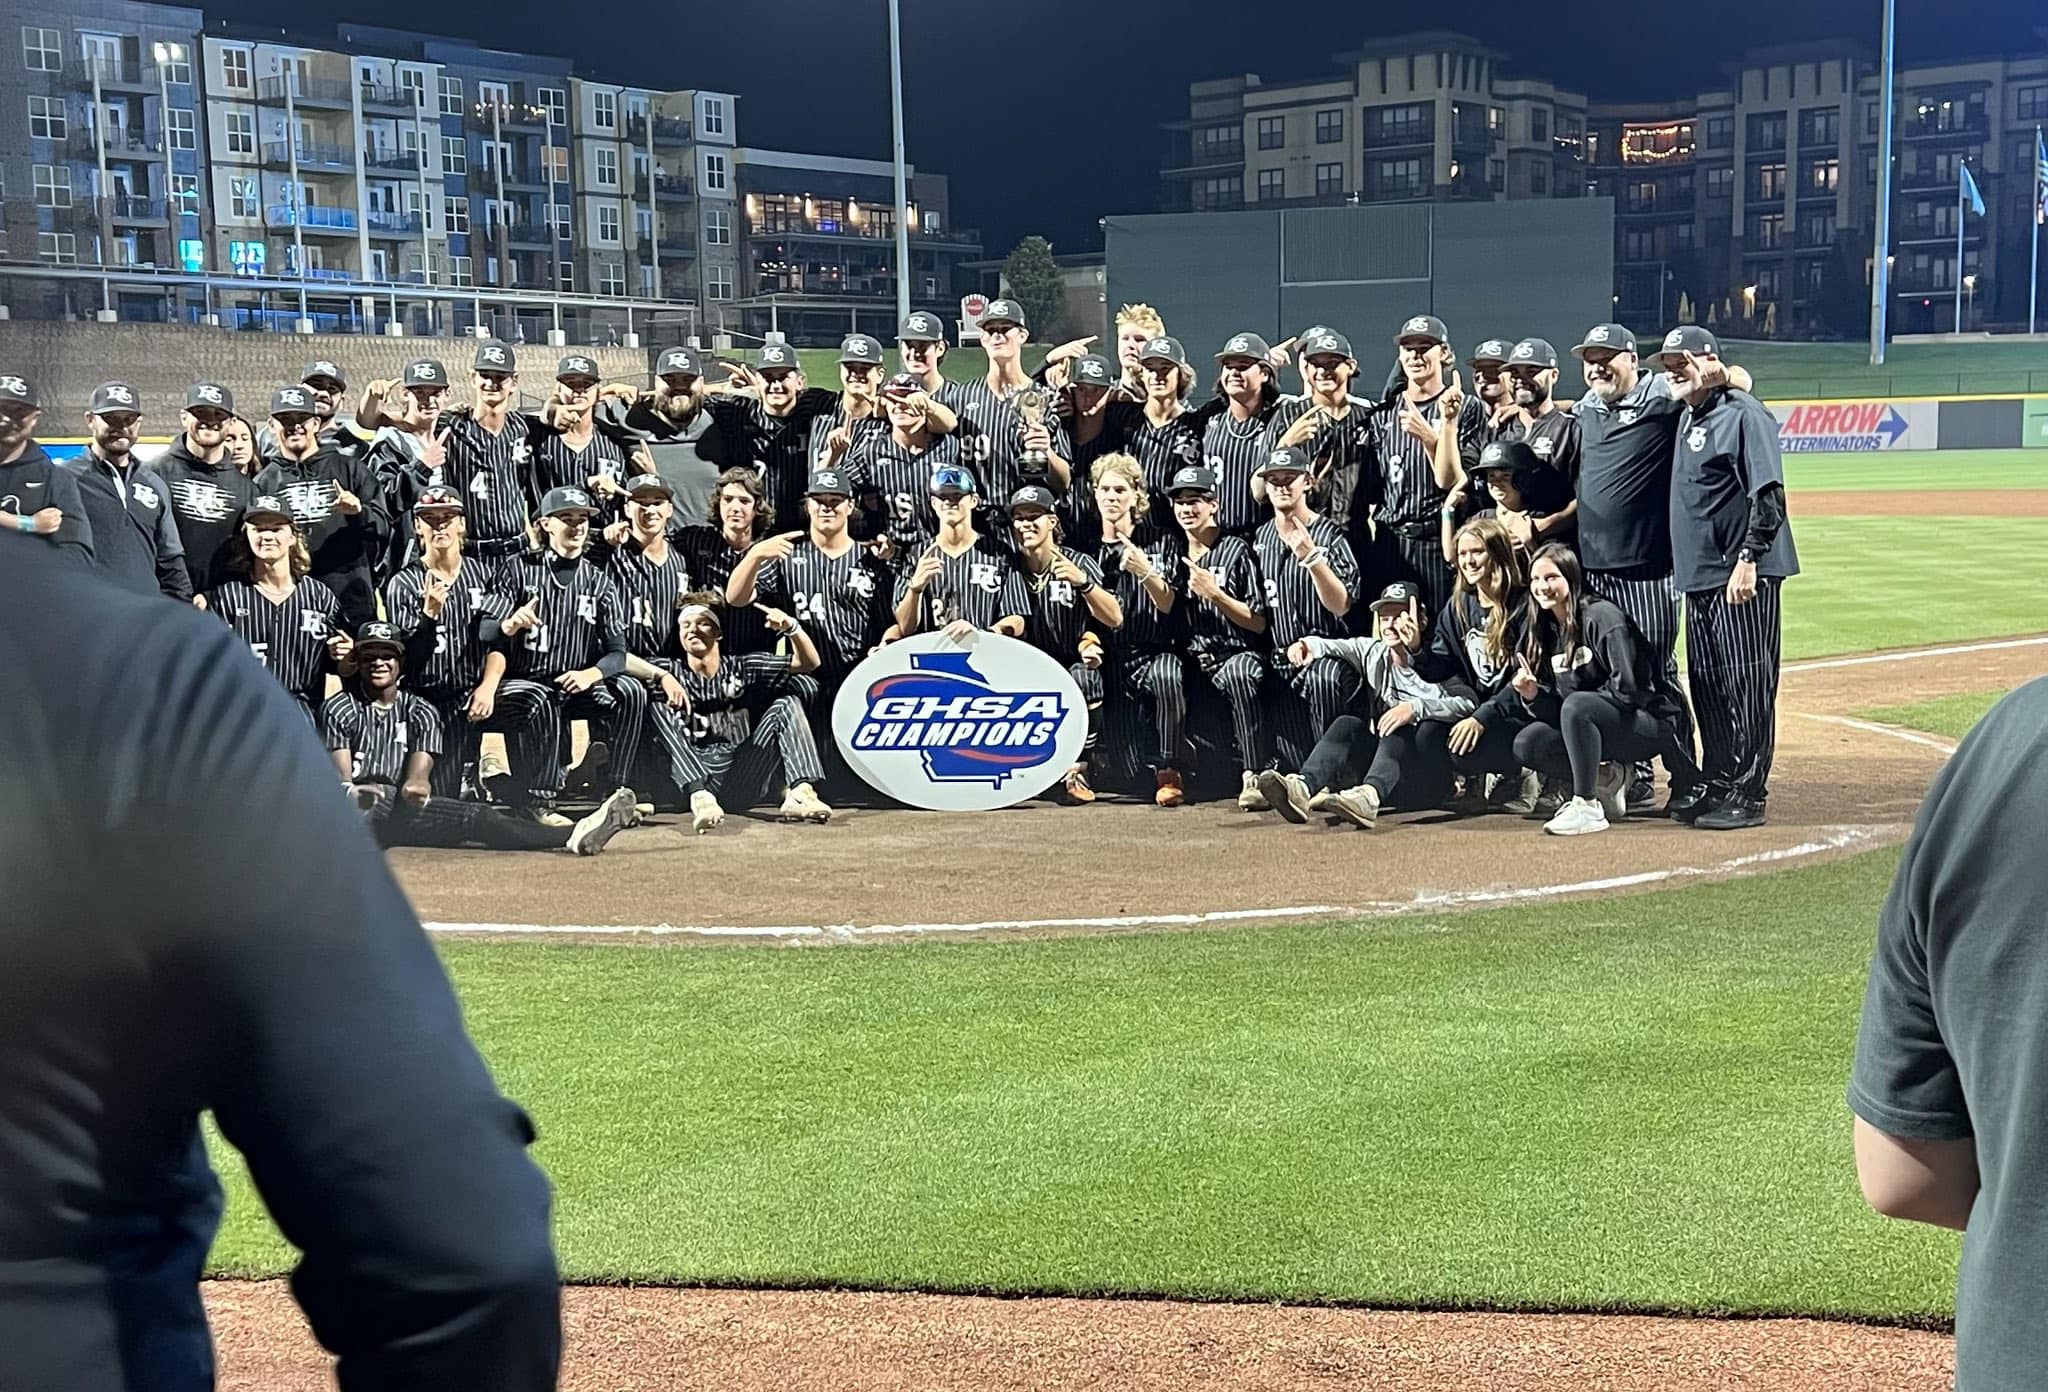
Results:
[1852, 427]
[960, 725]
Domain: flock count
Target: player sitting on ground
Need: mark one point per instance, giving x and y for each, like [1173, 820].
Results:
[719, 750]
[1420, 769]
[1065, 600]
[385, 741]
[1598, 698]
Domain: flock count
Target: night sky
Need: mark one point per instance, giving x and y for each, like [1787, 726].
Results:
[1047, 116]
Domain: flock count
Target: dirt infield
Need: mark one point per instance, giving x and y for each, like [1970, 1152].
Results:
[1961, 502]
[835, 1341]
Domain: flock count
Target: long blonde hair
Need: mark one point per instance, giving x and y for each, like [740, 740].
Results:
[1510, 582]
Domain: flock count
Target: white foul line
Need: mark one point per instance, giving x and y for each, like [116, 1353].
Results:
[1910, 654]
[1873, 728]
[1838, 839]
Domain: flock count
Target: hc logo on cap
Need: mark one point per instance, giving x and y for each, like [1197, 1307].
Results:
[923, 323]
[208, 393]
[324, 369]
[494, 354]
[422, 371]
[291, 396]
[1323, 345]
[117, 392]
[1419, 324]
[771, 354]
[1598, 334]
[1240, 344]
[15, 385]
[1524, 350]
[1674, 338]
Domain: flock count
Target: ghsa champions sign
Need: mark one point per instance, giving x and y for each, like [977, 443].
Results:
[960, 727]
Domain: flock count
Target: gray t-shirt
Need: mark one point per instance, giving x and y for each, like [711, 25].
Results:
[1954, 1041]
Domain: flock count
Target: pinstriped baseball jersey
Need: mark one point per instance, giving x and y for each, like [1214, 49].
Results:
[649, 593]
[979, 585]
[842, 601]
[1237, 571]
[456, 662]
[1159, 449]
[722, 705]
[779, 446]
[1144, 629]
[902, 479]
[1407, 467]
[558, 464]
[580, 613]
[379, 737]
[1293, 610]
[710, 562]
[1233, 448]
[992, 433]
[862, 430]
[1057, 613]
[289, 636]
[489, 470]
[1345, 458]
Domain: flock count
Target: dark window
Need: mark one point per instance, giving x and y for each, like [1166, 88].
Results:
[1820, 125]
[1539, 179]
[1817, 228]
[1539, 124]
[1329, 180]
[1766, 132]
[1396, 178]
[1718, 132]
[2033, 103]
[1766, 232]
[1329, 127]
[1272, 184]
[1220, 143]
[1272, 132]
[1410, 124]
[1638, 245]
[1811, 272]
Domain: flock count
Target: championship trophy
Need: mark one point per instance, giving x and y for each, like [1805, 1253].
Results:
[1032, 463]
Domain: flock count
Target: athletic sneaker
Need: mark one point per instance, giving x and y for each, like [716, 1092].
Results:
[802, 804]
[549, 817]
[597, 756]
[1169, 793]
[612, 816]
[1556, 793]
[1578, 817]
[1075, 788]
[705, 813]
[1610, 790]
[1359, 806]
[1528, 790]
[1286, 794]
[1249, 798]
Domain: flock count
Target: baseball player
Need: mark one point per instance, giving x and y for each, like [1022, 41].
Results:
[891, 473]
[290, 620]
[570, 450]
[649, 568]
[859, 417]
[1311, 577]
[126, 503]
[208, 493]
[768, 423]
[1234, 440]
[1731, 552]
[1330, 429]
[1628, 426]
[1516, 484]
[38, 496]
[742, 516]
[719, 749]
[336, 501]
[1405, 698]
[436, 603]
[1552, 434]
[1163, 432]
[1136, 326]
[399, 440]
[1000, 437]
[559, 655]
[386, 741]
[1143, 666]
[1087, 392]
[326, 386]
[1222, 601]
[962, 580]
[1597, 695]
[1490, 385]
[484, 454]
[1066, 605]
[679, 433]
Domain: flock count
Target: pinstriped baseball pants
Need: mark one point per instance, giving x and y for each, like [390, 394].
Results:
[445, 822]
[1310, 700]
[1731, 660]
[1651, 603]
[533, 714]
[742, 774]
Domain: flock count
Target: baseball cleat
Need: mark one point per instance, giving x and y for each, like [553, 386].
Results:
[802, 804]
[1286, 794]
[1687, 804]
[1736, 814]
[1556, 793]
[1076, 787]
[1359, 806]
[583, 778]
[549, 817]
[1249, 798]
[1610, 790]
[705, 813]
[1169, 792]
[642, 811]
[1578, 817]
[1528, 790]
[612, 816]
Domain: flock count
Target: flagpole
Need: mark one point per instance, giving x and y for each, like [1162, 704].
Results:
[1880, 253]
[2040, 200]
[1961, 169]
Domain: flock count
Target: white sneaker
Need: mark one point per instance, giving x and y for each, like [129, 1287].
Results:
[1610, 790]
[1579, 817]
[705, 813]
[1524, 802]
[802, 804]
[595, 832]
[1359, 806]
[1249, 798]
[1285, 794]
[549, 817]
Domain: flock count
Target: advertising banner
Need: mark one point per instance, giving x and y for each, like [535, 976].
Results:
[1851, 427]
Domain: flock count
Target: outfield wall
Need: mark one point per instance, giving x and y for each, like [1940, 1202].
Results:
[1911, 423]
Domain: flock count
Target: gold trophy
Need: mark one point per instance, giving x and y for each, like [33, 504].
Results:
[1031, 407]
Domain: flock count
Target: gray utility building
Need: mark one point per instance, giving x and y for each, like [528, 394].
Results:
[1537, 268]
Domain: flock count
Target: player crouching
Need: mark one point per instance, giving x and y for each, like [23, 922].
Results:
[385, 741]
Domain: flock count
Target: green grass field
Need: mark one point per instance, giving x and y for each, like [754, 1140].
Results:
[1819, 370]
[1624, 1104]
[1902, 471]
[1951, 717]
[1899, 582]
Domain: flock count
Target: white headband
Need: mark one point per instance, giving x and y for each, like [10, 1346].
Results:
[702, 611]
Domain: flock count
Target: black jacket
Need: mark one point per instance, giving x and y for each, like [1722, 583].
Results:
[134, 536]
[345, 548]
[1613, 661]
[36, 481]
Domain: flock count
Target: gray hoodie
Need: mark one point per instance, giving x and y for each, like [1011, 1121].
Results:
[1393, 682]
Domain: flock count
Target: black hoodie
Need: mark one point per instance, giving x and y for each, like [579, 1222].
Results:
[35, 481]
[208, 501]
[344, 547]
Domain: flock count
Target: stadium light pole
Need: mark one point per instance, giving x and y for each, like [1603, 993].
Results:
[1880, 256]
[902, 180]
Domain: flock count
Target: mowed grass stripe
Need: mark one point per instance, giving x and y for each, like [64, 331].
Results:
[1899, 582]
[1894, 471]
[1951, 717]
[1633, 1103]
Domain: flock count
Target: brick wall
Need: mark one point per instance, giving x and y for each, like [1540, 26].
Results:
[66, 361]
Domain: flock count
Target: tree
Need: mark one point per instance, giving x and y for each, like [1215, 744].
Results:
[1034, 283]
[1844, 286]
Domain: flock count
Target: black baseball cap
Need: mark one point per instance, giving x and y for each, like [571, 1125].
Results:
[1398, 595]
[649, 483]
[577, 365]
[776, 357]
[561, 500]
[438, 499]
[291, 401]
[1532, 350]
[678, 362]
[828, 483]
[1244, 345]
[1094, 370]
[1424, 326]
[267, 507]
[493, 355]
[210, 395]
[1690, 338]
[1325, 343]
[952, 478]
[1492, 350]
[323, 367]
[1163, 349]
[425, 372]
[1284, 460]
[1032, 495]
[1003, 312]
[112, 398]
[1614, 337]
[903, 384]
[376, 634]
[923, 327]
[1192, 478]
[859, 348]
[1513, 456]
[18, 389]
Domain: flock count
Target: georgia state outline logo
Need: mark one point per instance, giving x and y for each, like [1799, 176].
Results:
[964, 729]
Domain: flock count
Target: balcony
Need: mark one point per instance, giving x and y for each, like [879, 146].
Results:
[1951, 126]
[386, 224]
[1930, 176]
[121, 144]
[508, 117]
[404, 161]
[674, 189]
[1206, 158]
[129, 208]
[309, 91]
[668, 130]
[1924, 230]
[313, 219]
[278, 154]
[673, 247]
[1661, 203]
[112, 74]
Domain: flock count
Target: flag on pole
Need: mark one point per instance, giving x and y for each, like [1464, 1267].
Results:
[2040, 177]
[1970, 194]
